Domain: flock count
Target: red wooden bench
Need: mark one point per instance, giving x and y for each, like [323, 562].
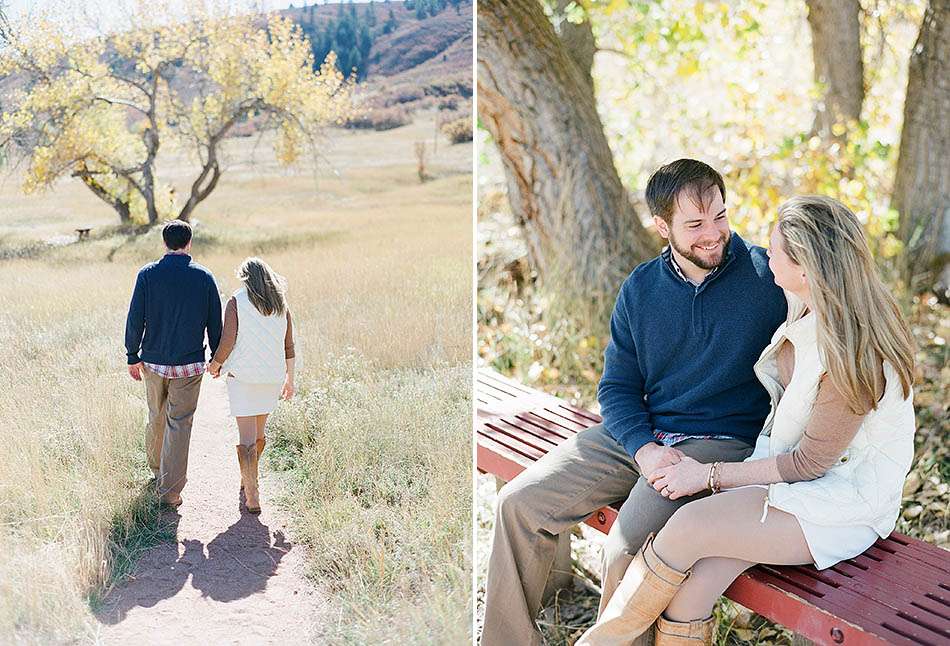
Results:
[897, 592]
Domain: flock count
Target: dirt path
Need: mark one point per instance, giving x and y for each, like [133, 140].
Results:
[231, 578]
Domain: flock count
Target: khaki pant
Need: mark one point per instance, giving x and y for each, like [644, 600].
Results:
[171, 410]
[559, 491]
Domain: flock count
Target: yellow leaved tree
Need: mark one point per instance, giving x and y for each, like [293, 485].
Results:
[99, 108]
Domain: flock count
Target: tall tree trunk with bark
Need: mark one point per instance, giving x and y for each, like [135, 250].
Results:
[922, 186]
[836, 51]
[538, 104]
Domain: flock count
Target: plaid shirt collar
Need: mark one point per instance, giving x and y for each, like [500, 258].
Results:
[679, 271]
[668, 254]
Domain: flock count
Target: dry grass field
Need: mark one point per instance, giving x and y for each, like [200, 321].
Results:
[375, 449]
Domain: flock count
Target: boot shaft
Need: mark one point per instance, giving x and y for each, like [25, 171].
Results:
[248, 461]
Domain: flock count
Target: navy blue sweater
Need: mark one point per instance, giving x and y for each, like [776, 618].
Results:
[680, 357]
[175, 300]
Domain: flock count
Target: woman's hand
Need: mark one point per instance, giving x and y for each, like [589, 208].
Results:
[684, 478]
[288, 390]
[214, 369]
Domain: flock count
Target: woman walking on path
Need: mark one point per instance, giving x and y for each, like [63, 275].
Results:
[825, 479]
[257, 355]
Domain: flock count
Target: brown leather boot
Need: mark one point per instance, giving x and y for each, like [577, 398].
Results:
[647, 587]
[247, 459]
[684, 633]
[261, 443]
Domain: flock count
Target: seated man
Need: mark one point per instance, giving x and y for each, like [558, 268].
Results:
[678, 380]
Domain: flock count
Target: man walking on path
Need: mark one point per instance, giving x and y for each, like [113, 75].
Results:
[678, 380]
[174, 303]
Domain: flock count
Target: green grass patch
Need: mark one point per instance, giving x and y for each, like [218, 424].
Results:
[381, 480]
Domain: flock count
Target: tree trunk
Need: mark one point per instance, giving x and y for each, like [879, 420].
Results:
[578, 41]
[563, 187]
[922, 186]
[836, 51]
[120, 206]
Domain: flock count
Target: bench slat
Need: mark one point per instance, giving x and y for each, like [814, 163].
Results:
[897, 592]
[846, 605]
[537, 418]
[534, 437]
[496, 458]
[512, 443]
[769, 596]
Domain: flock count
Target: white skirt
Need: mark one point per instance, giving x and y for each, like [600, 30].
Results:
[828, 544]
[251, 399]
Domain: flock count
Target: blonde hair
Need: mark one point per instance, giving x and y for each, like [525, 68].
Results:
[265, 288]
[859, 323]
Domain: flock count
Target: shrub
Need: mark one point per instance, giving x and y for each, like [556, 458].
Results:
[380, 119]
[458, 131]
[450, 103]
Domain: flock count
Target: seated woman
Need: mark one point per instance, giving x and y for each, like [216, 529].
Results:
[825, 479]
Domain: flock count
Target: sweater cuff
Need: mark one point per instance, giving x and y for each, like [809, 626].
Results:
[636, 440]
[132, 358]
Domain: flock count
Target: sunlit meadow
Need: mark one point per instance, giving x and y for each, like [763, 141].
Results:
[373, 452]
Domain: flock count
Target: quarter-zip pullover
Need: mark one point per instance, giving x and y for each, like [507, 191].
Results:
[680, 357]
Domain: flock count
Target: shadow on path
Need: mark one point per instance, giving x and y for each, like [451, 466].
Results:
[240, 560]
[238, 563]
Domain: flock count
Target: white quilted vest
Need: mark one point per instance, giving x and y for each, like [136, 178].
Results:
[864, 486]
[258, 354]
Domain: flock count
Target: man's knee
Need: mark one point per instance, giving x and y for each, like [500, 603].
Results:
[513, 503]
[623, 541]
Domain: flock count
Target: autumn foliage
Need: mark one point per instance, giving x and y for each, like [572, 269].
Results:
[99, 109]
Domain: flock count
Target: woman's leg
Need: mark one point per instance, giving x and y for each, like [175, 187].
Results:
[261, 421]
[698, 594]
[247, 429]
[719, 537]
[728, 525]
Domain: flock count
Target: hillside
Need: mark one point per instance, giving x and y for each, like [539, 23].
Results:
[431, 55]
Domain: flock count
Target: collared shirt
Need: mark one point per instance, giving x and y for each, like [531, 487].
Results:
[679, 270]
[672, 439]
[177, 372]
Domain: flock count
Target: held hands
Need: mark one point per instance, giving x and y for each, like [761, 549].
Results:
[652, 456]
[214, 369]
[684, 478]
[135, 371]
[288, 390]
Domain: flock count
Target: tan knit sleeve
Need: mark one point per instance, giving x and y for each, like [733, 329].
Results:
[229, 333]
[829, 431]
[289, 339]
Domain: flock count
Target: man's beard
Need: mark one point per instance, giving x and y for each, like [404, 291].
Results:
[702, 263]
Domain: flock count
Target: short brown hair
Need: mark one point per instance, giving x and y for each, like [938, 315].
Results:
[689, 175]
[176, 234]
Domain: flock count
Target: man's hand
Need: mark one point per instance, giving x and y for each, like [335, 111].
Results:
[681, 479]
[652, 456]
[214, 369]
[135, 371]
